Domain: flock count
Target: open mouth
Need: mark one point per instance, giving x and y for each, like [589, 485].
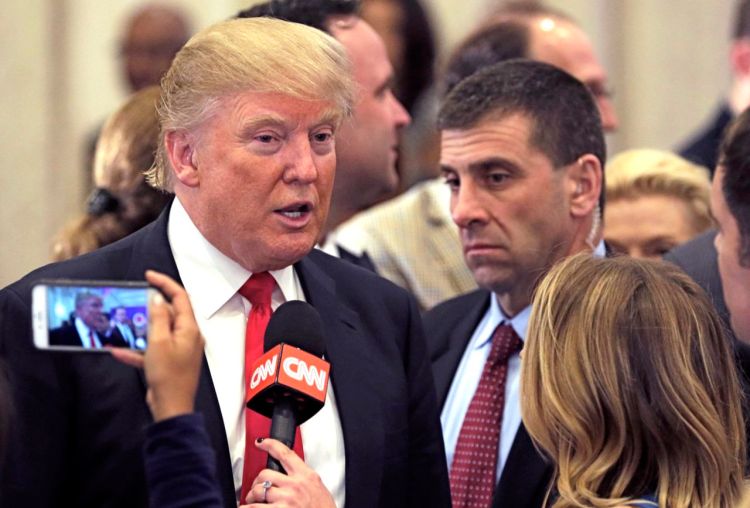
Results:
[295, 211]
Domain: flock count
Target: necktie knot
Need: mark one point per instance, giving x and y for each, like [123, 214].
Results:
[258, 289]
[505, 343]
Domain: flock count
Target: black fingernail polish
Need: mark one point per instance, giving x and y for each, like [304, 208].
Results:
[259, 440]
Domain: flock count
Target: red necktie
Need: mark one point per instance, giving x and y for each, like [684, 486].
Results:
[92, 340]
[472, 474]
[257, 290]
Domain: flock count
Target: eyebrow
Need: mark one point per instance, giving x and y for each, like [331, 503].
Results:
[493, 162]
[385, 85]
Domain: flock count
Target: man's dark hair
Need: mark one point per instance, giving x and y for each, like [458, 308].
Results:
[734, 157]
[565, 119]
[492, 44]
[742, 20]
[314, 13]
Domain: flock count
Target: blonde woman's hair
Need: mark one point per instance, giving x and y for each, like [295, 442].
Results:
[640, 172]
[629, 385]
[124, 151]
[261, 55]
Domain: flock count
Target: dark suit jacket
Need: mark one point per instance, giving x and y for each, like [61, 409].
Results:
[80, 419]
[67, 335]
[448, 328]
[703, 147]
[118, 339]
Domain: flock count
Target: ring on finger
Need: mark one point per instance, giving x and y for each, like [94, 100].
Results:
[266, 485]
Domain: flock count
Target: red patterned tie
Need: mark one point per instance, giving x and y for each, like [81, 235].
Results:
[472, 473]
[257, 290]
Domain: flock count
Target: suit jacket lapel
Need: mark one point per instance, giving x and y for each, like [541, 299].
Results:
[446, 356]
[153, 252]
[359, 409]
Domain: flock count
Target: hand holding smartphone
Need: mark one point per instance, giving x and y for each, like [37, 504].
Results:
[90, 316]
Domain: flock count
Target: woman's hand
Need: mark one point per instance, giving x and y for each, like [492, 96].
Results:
[300, 487]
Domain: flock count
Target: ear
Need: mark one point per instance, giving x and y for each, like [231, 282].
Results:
[739, 57]
[180, 148]
[584, 185]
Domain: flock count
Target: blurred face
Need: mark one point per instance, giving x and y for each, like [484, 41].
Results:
[648, 226]
[368, 142]
[90, 311]
[150, 44]
[564, 45]
[386, 17]
[509, 204]
[121, 316]
[256, 178]
[735, 278]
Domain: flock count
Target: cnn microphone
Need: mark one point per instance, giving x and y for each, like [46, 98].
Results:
[290, 380]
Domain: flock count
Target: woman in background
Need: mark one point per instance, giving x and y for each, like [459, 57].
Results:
[656, 200]
[629, 386]
[122, 202]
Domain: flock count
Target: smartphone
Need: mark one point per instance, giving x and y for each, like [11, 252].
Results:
[90, 316]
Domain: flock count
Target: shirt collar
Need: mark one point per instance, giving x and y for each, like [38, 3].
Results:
[210, 277]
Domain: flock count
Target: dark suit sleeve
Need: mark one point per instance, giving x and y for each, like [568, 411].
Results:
[34, 472]
[428, 472]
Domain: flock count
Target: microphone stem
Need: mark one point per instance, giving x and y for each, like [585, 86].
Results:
[283, 427]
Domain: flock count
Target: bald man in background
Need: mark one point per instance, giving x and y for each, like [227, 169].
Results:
[412, 239]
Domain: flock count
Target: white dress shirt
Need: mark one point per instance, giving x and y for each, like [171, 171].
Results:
[466, 380]
[469, 372]
[85, 334]
[212, 280]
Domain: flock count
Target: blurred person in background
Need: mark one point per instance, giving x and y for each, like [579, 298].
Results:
[122, 202]
[367, 144]
[703, 146]
[411, 239]
[629, 386]
[656, 200]
[151, 37]
[407, 33]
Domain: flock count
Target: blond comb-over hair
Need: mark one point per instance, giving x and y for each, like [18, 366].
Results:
[260, 55]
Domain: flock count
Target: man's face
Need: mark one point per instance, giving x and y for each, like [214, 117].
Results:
[509, 203]
[89, 311]
[148, 48]
[735, 278]
[367, 146]
[564, 45]
[256, 178]
[121, 315]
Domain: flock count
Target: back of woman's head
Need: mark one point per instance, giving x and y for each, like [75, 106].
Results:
[122, 201]
[629, 385]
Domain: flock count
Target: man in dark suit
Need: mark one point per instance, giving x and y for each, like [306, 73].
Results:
[89, 327]
[703, 146]
[249, 112]
[522, 153]
[121, 330]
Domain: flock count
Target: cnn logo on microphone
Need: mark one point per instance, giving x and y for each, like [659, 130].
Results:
[290, 367]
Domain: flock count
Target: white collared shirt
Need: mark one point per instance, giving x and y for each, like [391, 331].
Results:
[212, 280]
[466, 380]
[469, 371]
[85, 334]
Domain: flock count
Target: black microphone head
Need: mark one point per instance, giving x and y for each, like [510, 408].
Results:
[298, 324]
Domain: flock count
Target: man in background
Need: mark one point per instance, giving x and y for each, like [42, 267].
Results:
[411, 239]
[522, 154]
[367, 144]
[730, 201]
